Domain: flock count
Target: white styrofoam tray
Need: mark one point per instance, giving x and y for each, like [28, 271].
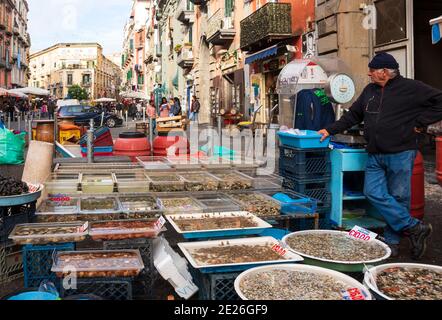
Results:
[261, 224]
[187, 247]
[304, 268]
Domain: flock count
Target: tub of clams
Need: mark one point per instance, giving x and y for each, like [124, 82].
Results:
[336, 250]
[218, 256]
[257, 203]
[298, 282]
[405, 281]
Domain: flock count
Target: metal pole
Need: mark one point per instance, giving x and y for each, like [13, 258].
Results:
[30, 130]
[151, 135]
[219, 132]
[144, 115]
[90, 139]
[127, 124]
[19, 123]
[102, 119]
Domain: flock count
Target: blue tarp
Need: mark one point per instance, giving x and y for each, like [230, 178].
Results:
[262, 54]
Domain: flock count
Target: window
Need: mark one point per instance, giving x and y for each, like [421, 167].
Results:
[229, 4]
[391, 21]
[70, 79]
[86, 79]
[131, 45]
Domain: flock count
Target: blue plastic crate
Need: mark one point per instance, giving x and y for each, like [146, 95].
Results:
[106, 288]
[304, 163]
[318, 189]
[292, 202]
[311, 140]
[99, 149]
[38, 260]
[216, 286]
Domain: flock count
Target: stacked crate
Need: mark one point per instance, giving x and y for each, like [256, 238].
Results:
[308, 172]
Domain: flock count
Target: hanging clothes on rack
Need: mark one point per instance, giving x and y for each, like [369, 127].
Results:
[313, 111]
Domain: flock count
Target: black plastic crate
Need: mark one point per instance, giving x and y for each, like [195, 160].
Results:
[11, 216]
[318, 189]
[143, 284]
[11, 263]
[304, 163]
[106, 288]
[216, 286]
[38, 260]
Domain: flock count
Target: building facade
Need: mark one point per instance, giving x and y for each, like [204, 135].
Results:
[63, 65]
[14, 43]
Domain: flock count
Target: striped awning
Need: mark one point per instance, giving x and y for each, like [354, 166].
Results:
[260, 55]
[436, 29]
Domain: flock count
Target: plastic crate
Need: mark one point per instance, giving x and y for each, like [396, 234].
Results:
[143, 284]
[106, 288]
[101, 135]
[11, 216]
[11, 263]
[216, 286]
[304, 163]
[318, 189]
[38, 260]
[310, 140]
[106, 149]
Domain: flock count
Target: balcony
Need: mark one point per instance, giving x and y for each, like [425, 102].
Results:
[185, 57]
[186, 14]
[16, 31]
[220, 29]
[266, 26]
[8, 30]
[86, 84]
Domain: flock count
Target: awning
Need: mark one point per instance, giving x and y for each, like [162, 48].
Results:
[436, 29]
[260, 55]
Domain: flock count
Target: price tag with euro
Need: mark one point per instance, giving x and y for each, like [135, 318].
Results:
[352, 294]
[160, 223]
[279, 249]
[362, 234]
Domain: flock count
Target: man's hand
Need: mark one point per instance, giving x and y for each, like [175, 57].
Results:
[324, 133]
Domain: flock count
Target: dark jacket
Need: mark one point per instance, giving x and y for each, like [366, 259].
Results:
[311, 113]
[195, 106]
[390, 114]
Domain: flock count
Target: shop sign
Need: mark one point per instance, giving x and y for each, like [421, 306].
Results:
[274, 64]
[309, 45]
[229, 60]
[362, 234]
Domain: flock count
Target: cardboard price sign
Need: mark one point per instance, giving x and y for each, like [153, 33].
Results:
[160, 223]
[353, 294]
[362, 234]
[83, 228]
[279, 249]
[60, 198]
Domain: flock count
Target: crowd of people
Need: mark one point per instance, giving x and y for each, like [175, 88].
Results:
[13, 108]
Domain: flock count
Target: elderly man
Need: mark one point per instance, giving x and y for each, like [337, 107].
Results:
[394, 109]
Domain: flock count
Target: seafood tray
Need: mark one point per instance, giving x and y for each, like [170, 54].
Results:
[62, 183]
[97, 183]
[123, 229]
[235, 254]
[179, 205]
[69, 217]
[184, 163]
[200, 181]
[132, 182]
[99, 264]
[234, 180]
[221, 224]
[63, 204]
[216, 202]
[168, 182]
[257, 203]
[216, 163]
[99, 205]
[292, 202]
[95, 167]
[41, 233]
[139, 203]
[152, 163]
[335, 250]
[298, 282]
[405, 281]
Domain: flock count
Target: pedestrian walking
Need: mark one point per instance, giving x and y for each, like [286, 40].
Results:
[394, 109]
[194, 109]
[152, 114]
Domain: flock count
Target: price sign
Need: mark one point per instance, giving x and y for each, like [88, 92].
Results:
[362, 234]
[160, 223]
[352, 294]
[60, 198]
[279, 249]
[83, 228]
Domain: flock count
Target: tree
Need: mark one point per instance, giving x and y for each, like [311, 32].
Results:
[77, 92]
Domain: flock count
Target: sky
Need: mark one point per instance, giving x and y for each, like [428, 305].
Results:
[55, 21]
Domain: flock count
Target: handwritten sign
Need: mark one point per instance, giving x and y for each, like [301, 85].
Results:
[362, 234]
[160, 222]
[279, 249]
[353, 294]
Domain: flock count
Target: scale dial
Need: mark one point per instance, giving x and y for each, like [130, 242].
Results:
[342, 88]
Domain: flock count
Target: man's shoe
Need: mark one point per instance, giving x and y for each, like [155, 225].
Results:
[394, 250]
[418, 236]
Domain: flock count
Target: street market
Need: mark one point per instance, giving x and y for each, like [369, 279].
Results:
[328, 187]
